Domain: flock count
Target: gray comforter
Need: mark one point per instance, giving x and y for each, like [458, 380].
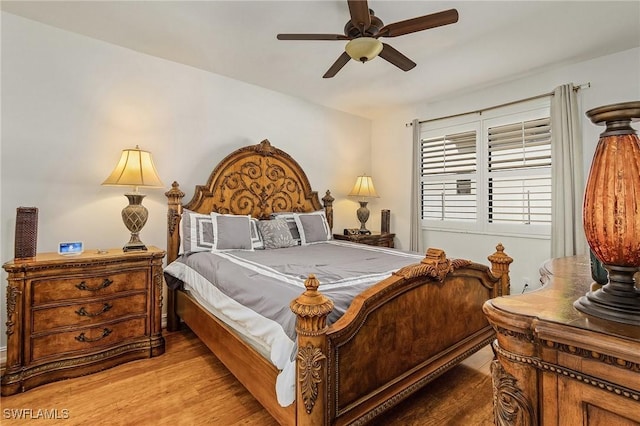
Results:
[266, 281]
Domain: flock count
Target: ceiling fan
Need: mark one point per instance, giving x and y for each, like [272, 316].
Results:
[364, 29]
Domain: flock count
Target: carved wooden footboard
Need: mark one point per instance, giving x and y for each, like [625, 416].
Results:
[395, 338]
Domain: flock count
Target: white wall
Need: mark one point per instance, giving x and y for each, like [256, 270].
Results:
[70, 104]
[614, 78]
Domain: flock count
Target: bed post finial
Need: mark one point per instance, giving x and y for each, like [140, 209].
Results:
[327, 200]
[500, 262]
[311, 309]
[174, 212]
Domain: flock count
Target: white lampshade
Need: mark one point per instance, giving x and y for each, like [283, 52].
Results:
[364, 188]
[135, 168]
[363, 49]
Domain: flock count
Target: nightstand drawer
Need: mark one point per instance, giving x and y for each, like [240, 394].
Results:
[52, 290]
[84, 314]
[86, 339]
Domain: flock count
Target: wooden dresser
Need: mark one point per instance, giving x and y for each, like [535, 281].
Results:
[373, 239]
[71, 316]
[557, 366]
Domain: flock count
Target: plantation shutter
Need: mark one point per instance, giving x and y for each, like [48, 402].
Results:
[519, 172]
[448, 166]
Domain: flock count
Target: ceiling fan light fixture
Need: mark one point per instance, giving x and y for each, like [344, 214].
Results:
[363, 49]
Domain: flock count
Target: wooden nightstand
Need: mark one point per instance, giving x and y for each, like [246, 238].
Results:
[374, 239]
[75, 315]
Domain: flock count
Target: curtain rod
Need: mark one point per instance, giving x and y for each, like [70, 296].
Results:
[480, 111]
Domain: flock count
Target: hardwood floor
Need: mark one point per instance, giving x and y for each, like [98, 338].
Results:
[189, 386]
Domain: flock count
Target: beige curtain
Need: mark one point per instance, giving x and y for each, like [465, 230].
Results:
[415, 228]
[567, 232]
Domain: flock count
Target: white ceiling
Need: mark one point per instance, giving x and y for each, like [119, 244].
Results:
[493, 41]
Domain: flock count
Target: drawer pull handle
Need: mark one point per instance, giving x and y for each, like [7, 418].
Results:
[84, 313]
[81, 337]
[106, 283]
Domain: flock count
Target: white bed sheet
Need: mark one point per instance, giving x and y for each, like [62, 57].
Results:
[263, 334]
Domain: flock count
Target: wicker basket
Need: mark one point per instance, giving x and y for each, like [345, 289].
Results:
[26, 232]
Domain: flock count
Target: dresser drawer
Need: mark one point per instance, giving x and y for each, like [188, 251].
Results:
[71, 316]
[85, 339]
[51, 290]
[84, 314]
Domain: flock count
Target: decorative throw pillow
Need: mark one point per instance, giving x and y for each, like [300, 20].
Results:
[196, 232]
[289, 218]
[232, 232]
[256, 237]
[313, 227]
[275, 234]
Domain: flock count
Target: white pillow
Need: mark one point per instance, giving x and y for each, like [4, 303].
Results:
[196, 232]
[256, 236]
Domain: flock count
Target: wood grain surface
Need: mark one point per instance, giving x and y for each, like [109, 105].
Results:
[189, 386]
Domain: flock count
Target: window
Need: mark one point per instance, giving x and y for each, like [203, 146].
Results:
[449, 164]
[492, 174]
[519, 172]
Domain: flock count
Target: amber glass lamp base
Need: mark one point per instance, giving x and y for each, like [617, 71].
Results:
[611, 214]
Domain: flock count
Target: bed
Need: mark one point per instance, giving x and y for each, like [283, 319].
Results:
[398, 333]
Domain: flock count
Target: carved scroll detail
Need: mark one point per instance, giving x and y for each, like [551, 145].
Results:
[172, 220]
[510, 405]
[566, 372]
[589, 354]
[261, 185]
[525, 337]
[311, 309]
[157, 279]
[174, 196]
[264, 148]
[435, 265]
[310, 361]
[12, 296]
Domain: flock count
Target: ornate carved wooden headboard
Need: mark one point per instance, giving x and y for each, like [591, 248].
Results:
[257, 180]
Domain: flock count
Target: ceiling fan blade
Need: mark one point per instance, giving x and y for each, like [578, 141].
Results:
[360, 17]
[396, 58]
[419, 24]
[337, 65]
[312, 37]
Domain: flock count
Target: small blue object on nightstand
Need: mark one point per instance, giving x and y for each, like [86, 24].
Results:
[70, 248]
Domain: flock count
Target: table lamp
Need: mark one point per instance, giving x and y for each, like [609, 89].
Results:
[135, 169]
[611, 214]
[363, 189]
